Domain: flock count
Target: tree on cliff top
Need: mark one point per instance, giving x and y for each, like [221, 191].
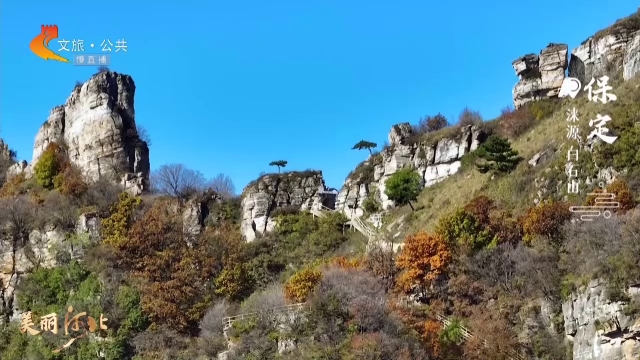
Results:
[403, 187]
[223, 185]
[363, 144]
[432, 123]
[279, 164]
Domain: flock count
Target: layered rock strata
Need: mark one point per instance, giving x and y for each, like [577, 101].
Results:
[540, 76]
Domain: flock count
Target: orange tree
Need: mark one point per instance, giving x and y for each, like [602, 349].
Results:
[424, 258]
[622, 194]
[302, 283]
[546, 219]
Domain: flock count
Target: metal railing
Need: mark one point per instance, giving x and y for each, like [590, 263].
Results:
[227, 322]
[362, 227]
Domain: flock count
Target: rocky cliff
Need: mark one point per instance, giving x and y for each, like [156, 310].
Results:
[433, 160]
[5, 152]
[97, 123]
[540, 75]
[293, 190]
[616, 48]
[600, 328]
[40, 250]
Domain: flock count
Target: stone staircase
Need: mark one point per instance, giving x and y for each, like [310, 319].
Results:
[356, 222]
[372, 234]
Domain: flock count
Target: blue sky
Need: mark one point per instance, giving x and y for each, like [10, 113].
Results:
[228, 86]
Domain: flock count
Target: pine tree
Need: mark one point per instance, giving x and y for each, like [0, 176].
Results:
[497, 155]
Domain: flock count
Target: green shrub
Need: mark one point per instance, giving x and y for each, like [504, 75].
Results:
[623, 153]
[403, 187]
[371, 204]
[48, 290]
[48, 166]
[464, 229]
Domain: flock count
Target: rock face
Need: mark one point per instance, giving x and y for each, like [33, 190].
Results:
[5, 152]
[43, 245]
[97, 123]
[293, 190]
[540, 75]
[597, 56]
[599, 328]
[433, 161]
[631, 61]
[196, 211]
[613, 49]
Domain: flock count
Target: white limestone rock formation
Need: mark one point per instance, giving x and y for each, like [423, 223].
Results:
[609, 50]
[599, 328]
[44, 245]
[433, 161]
[631, 61]
[195, 211]
[541, 75]
[97, 123]
[304, 190]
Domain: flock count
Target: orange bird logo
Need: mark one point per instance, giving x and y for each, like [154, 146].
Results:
[39, 43]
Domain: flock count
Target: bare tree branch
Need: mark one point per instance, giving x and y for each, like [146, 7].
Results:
[19, 217]
[178, 181]
[223, 185]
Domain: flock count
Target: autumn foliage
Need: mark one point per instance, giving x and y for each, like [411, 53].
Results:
[481, 207]
[70, 182]
[175, 276]
[365, 346]
[302, 283]
[623, 195]
[115, 227]
[52, 161]
[546, 219]
[431, 336]
[345, 263]
[424, 258]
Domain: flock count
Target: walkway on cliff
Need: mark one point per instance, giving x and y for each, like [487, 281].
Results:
[301, 308]
[373, 235]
